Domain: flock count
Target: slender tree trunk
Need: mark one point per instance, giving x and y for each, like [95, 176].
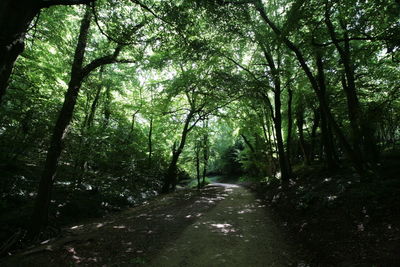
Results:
[290, 126]
[107, 110]
[133, 120]
[84, 145]
[197, 152]
[327, 138]
[349, 85]
[354, 157]
[150, 141]
[269, 135]
[95, 102]
[40, 214]
[283, 160]
[316, 120]
[248, 144]
[303, 146]
[205, 152]
[170, 180]
[268, 146]
[78, 74]
[273, 146]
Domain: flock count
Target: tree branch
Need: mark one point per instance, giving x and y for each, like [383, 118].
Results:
[110, 38]
[105, 60]
[243, 68]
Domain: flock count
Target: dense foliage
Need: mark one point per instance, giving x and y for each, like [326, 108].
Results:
[116, 101]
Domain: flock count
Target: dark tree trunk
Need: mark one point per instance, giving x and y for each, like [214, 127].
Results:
[170, 176]
[248, 144]
[353, 157]
[290, 125]
[15, 18]
[205, 153]
[78, 73]
[107, 110]
[170, 180]
[317, 117]
[349, 85]
[327, 144]
[84, 146]
[150, 141]
[277, 118]
[272, 146]
[93, 107]
[40, 214]
[303, 146]
[197, 151]
[281, 152]
[326, 133]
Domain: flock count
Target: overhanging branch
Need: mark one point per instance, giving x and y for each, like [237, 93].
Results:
[105, 60]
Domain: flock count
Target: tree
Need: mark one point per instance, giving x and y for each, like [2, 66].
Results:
[78, 74]
[15, 19]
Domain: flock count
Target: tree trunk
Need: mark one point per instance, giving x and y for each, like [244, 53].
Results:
[326, 134]
[170, 180]
[303, 146]
[349, 85]
[84, 146]
[353, 157]
[272, 146]
[248, 144]
[283, 160]
[197, 152]
[93, 107]
[205, 153]
[150, 143]
[15, 18]
[316, 120]
[40, 214]
[290, 126]
[107, 110]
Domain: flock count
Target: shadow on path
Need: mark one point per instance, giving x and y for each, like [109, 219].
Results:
[221, 225]
[237, 232]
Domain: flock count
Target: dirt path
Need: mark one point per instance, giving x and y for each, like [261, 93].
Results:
[237, 232]
[222, 225]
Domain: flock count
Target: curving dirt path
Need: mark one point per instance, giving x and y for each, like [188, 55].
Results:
[222, 225]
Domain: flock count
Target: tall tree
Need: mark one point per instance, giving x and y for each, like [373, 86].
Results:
[78, 73]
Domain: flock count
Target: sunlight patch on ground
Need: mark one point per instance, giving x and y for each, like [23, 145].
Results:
[169, 217]
[245, 211]
[223, 227]
[77, 259]
[76, 227]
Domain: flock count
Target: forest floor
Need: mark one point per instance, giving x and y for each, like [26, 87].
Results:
[342, 219]
[221, 225]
